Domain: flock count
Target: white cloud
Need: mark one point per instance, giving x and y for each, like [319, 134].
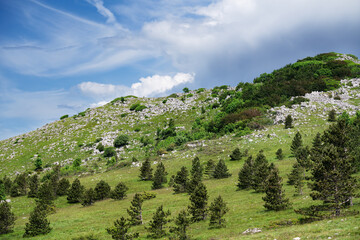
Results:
[149, 86]
[99, 4]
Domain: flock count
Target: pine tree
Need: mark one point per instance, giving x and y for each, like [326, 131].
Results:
[119, 192]
[296, 178]
[38, 223]
[198, 203]
[146, 171]
[296, 143]
[46, 197]
[2, 192]
[332, 180]
[63, 187]
[275, 197]
[88, 197]
[196, 175]
[210, 167]
[302, 157]
[182, 222]
[120, 230]
[7, 184]
[159, 176]
[316, 144]
[75, 192]
[217, 210]
[288, 122]
[261, 172]
[221, 170]
[157, 224]
[181, 180]
[171, 181]
[279, 154]
[332, 116]
[135, 211]
[236, 155]
[38, 164]
[246, 174]
[55, 178]
[21, 184]
[7, 218]
[33, 185]
[102, 190]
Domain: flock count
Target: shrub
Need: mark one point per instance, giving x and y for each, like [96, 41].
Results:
[121, 140]
[134, 106]
[100, 147]
[140, 108]
[102, 190]
[109, 152]
[63, 117]
[186, 90]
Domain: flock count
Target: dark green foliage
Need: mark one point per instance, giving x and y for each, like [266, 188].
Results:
[296, 143]
[171, 181]
[2, 192]
[209, 168]
[217, 210]
[159, 177]
[46, 196]
[198, 203]
[316, 144]
[275, 197]
[182, 222]
[102, 190]
[38, 223]
[332, 116]
[332, 181]
[7, 218]
[236, 155]
[246, 174]
[38, 164]
[181, 180]
[261, 172]
[221, 170]
[55, 178]
[63, 187]
[296, 177]
[76, 163]
[64, 116]
[88, 197]
[109, 152]
[135, 210]
[120, 230]
[288, 122]
[186, 90]
[7, 184]
[119, 192]
[134, 106]
[100, 147]
[75, 192]
[146, 170]
[33, 185]
[19, 186]
[121, 140]
[158, 222]
[279, 154]
[140, 108]
[302, 157]
[196, 175]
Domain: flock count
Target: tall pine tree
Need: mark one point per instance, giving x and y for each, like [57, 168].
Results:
[182, 222]
[158, 222]
[246, 174]
[38, 223]
[33, 185]
[196, 175]
[221, 170]
[146, 170]
[7, 218]
[210, 167]
[217, 210]
[88, 197]
[296, 143]
[181, 180]
[135, 210]
[198, 203]
[275, 197]
[75, 192]
[261, 172]
[159, 177]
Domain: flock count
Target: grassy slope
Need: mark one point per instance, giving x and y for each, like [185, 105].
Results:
[246, 207]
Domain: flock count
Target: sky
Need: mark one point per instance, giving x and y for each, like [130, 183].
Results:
[61, 57]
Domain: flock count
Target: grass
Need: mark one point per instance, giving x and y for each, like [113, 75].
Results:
[246, 207]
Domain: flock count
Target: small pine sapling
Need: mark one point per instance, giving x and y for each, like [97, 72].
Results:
[217, 211]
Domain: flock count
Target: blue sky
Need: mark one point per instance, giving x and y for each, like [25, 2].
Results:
[61, 57]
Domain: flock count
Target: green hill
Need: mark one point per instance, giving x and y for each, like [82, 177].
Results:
[173, 130]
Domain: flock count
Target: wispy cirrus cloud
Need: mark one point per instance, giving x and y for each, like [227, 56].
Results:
[99, 4]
